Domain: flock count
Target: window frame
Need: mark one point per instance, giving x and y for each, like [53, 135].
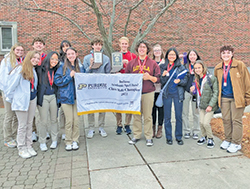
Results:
[13, 26]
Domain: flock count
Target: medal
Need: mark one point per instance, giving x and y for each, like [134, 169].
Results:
[167, 74]
[225, 84]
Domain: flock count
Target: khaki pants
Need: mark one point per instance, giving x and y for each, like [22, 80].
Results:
[10, 122]
[232, 120]
[71, 123]
[195, 129]
[49, 106]
[91, 120]
[147, 102]
[205, 118]
[128, 118]
[24, 132]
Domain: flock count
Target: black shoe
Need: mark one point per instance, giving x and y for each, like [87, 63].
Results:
[169, 142]
[180, 142]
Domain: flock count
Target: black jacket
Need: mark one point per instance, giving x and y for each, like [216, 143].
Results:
[181, 85]
[41, 88]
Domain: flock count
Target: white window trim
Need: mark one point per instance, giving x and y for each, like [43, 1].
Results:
[13, 26]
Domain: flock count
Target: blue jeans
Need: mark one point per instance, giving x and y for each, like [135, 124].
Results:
[167, 104]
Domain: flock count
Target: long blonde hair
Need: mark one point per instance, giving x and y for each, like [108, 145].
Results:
[27, 66]
[12, 55]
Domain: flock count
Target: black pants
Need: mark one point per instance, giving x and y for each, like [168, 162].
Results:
[160, 112]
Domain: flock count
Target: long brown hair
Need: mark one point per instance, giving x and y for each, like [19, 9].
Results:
[204, 67]
[12, 55]
[67, 63]
[27, 66]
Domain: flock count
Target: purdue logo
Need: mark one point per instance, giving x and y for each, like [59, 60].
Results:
[81, 86]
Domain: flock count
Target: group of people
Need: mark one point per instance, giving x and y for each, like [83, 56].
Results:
[47, 82]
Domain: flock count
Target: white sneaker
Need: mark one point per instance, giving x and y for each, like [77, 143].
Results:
[90, 134]
[47, 136]
[224, 145]
[43, 147]
[34, 137]
[24, 154]
[68, 147]
[31, 151]
[102, 132]
[53, 145]
[63, 136]
[233, 148]
[75, 146]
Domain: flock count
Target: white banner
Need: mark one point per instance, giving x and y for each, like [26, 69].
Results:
[108, 93]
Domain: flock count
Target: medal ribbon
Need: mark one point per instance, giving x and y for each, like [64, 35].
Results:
[170, 67]
[225, 71]
[143, 64]
[197, 87]
[19, 61]
[51, 79]
[32, 84]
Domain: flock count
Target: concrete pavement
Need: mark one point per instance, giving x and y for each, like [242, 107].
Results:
[111, 163]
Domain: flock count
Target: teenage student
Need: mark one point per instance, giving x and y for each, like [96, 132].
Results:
[151, 74]
[234, 95]
[88, 63]
[64, 79]
[126, 57]
[21, 93]
[46, 99]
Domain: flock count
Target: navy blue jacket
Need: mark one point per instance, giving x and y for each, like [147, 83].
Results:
[66, 89]
[181, 85]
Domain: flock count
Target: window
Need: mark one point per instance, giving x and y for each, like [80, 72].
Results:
[8, 36]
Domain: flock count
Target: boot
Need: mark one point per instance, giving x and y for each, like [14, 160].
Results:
[153, 131]
[159, 132]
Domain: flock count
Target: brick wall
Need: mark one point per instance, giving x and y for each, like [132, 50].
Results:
[189, 24]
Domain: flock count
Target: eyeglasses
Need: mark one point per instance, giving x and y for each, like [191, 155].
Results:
[157, 50]
[171, 54]
[54, 59]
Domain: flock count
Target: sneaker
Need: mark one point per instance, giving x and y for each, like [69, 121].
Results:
[119, 130]
[43, 147]
[149, 142]
[133, 141]
[195, 136]
[34, 137]
[10, 144]
[68, 147]
[53, 145]
[24, 154]
[210, 143]
[102, 132]
[201, 141]
[31, 151]
[90, 134]
[224, 145]
[233, 148]
[127, 129]
[187, 135]
[63, 136]
[48, 136]
[75, 146]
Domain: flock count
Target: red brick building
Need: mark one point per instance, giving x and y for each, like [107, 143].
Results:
[188, 24]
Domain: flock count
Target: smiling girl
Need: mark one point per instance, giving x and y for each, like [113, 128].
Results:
[21, 93]
[10, 60]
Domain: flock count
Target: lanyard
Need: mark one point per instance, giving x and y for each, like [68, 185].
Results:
[51, 79]
[196, 84]
[190, 69]
[225, 72]
[170, 67]
[32, 84]
[143, 64]
[19, 61]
